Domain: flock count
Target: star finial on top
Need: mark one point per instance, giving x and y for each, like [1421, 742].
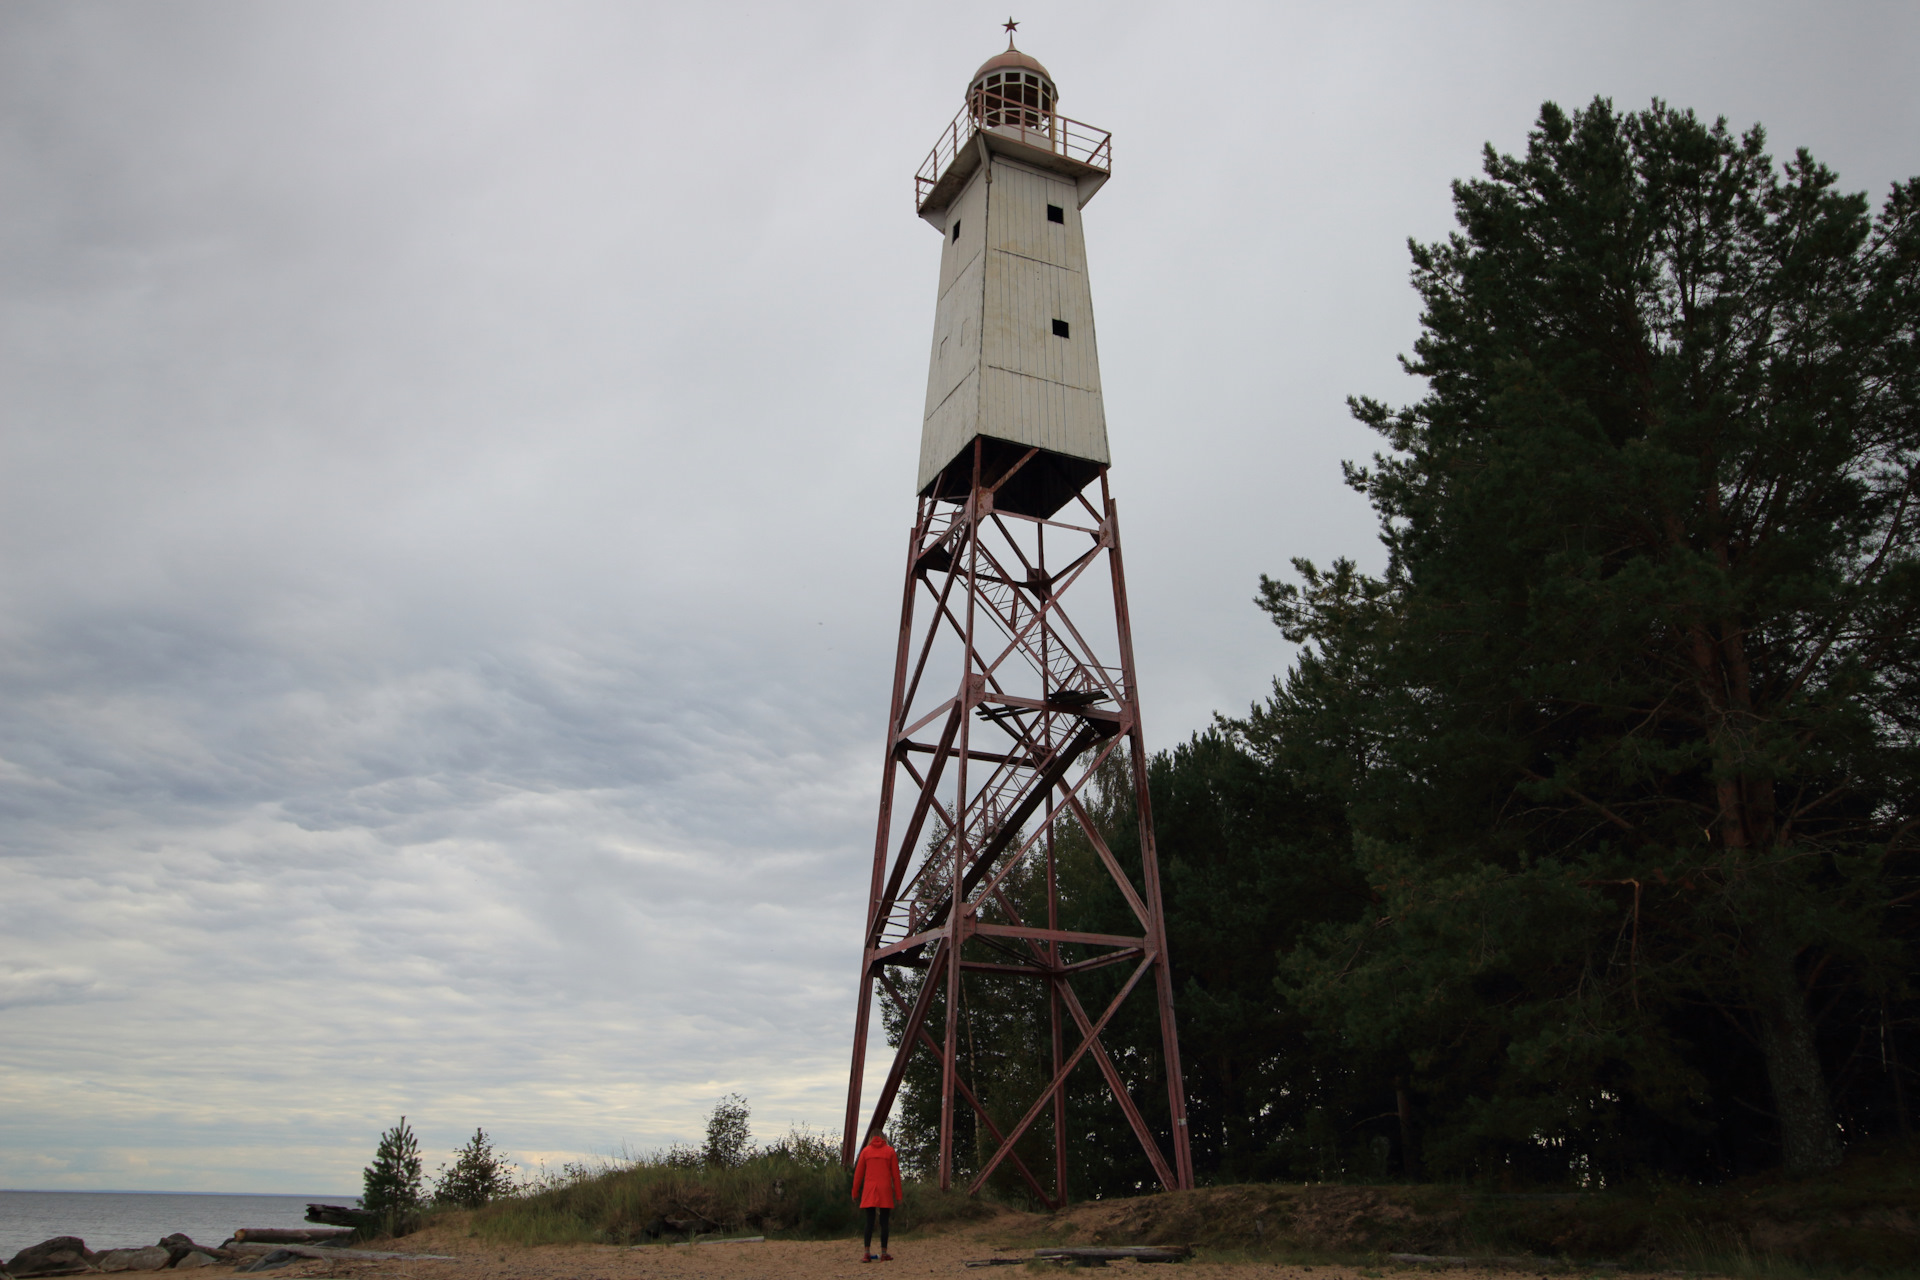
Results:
[1011, 26]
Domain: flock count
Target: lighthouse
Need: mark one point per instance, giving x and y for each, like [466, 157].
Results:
[1014, 359]
[1013, 680]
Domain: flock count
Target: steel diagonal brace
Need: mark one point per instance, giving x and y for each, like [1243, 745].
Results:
[909, 1040]
[1017, 631]
[1101, 962]
[924, 721]
[1112, 863]
[1059, 1078]
[1013, 470]
[1112, 1073]
[933, 1046]
[1093, 532]
[933, 633]
[1022, 970]
[905, 857]
[1006, 536]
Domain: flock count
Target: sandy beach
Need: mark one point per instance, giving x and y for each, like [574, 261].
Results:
[941, 1252]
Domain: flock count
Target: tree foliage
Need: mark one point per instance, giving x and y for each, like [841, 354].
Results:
[1579, 842]
[729, 1136]
[1630, 713]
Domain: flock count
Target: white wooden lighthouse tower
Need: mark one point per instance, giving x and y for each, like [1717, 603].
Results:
[1014, 358]
[1014, 674]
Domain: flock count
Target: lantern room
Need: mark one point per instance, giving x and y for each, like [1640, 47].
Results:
[1013, 94]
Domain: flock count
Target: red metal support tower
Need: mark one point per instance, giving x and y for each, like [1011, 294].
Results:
[1013, 684]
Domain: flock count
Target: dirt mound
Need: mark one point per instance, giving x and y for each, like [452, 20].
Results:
[1332, 1219]
[1867, 1217]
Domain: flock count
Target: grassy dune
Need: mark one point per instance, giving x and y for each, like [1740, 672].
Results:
[802, 1195]
[1861, 1221]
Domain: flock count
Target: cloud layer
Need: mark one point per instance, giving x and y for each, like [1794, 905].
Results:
[453, 463]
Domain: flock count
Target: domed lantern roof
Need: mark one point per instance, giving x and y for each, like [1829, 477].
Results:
[1011, 90]
[1012, 59]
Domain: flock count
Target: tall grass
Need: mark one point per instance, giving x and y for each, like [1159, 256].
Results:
[795, 1188]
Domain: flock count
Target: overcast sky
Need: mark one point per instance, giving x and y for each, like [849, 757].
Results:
[454, 462]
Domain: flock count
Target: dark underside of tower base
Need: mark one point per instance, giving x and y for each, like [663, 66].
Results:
[1038, 486]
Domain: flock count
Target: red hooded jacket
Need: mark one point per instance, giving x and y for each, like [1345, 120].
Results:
[876, 1177]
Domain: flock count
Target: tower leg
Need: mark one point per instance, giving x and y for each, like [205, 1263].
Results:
[1150, 870]
[1053, 1021]
[850, 1140]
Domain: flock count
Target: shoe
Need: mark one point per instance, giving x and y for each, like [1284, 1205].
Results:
[885, 1256]
[867, 1258]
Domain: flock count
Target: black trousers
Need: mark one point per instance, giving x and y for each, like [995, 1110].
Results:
[886, 1220]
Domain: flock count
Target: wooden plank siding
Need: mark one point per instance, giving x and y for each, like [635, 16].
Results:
[996, 367]
[956, 336]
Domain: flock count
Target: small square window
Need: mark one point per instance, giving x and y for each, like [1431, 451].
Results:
[956, 231]
[1056, 214]
[1060, 329]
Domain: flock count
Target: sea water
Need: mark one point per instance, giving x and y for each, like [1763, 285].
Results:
[122, 1219]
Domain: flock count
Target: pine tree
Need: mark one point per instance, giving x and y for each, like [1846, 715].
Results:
[477, 1176]
[1629, 724]
[391, 1185]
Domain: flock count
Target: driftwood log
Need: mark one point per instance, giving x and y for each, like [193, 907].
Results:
[1102, 1254]
[291, 1235]
[336, 1215]
[287, 1253]
[365, 1255]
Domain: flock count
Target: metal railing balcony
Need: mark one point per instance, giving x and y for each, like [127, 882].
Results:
[1047, 131]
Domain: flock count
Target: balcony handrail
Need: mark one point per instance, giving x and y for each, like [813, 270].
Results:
[1074, 139]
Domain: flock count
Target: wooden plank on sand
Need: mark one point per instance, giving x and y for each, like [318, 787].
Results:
[1115, 1253]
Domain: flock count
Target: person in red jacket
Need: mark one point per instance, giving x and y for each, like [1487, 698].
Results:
[876, 1188]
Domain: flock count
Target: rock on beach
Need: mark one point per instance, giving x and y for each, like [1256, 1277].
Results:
[152, 1257]
[60, 1256]
[69, 1256]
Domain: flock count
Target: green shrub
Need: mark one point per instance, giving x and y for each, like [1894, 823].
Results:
[729, 1140]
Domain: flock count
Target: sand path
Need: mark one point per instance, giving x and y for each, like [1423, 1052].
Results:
[943, 1253]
